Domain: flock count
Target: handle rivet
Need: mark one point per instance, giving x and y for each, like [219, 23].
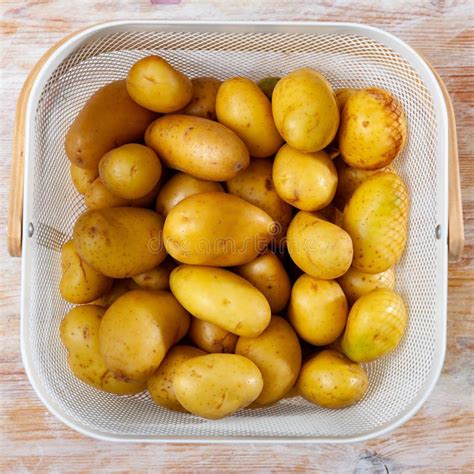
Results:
[31, 229]
[438, 232]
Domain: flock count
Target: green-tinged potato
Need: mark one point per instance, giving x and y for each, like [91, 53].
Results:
[245, 109]
[373, 129]
[222, 298]
[355, 283]
[98, 196]
[158, 278]
[267, 85]
[307, 181]
[216, 385]
[216, 229]
[160, 384]
[331, 380]
[155, 84]
[317, 310]
[119, 288]
[203, 103]
[110, 118]
[121, 241]
[305, 110]
[277, 354]
[321, 249]
[342, 95]
[268, 275]
[376, 324]
[376, 218]
[179, 187]
[138, 329]
[211, 338]
[79, 332]
[197, 146]
[82, 178]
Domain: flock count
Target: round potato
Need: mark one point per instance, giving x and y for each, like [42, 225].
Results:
[342, 95]
[211, 338]
[98, 196]
[82, 178]
[267, 85]
[158, 278]
[203, 103]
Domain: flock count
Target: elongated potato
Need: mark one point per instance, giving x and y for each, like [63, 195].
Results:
[211, 338]
[203, 103]
[82, 178]
[158, 278]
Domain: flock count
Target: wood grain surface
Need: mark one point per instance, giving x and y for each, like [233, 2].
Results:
[438, 439]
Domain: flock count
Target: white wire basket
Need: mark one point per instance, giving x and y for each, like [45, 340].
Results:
[348, 55]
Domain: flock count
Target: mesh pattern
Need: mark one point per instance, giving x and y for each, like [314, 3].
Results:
[347, 61]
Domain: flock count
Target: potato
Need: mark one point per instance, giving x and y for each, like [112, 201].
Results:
[376, 218]
[267, 85]
[138, 329]
[277, 354]
[216, 385]
[355, 283]
[376, 324]
[179, 187]
[82, 178]
[342, 95]
[373, 129]
[305, 110]
[268, 275]
[119, 288]
[158, 278]
[197, 146]
[160, 384]
[155, 84]
[331, 380]
[79, 332]
[120, 242]
[317, 310]
[307, 181]
[331, 214]
[245, 109]
[211, 338]
[216, 229]
[98, 196]
[203, 103]
[222, 298]
[148, 199]
[320, 248]
[110, 118]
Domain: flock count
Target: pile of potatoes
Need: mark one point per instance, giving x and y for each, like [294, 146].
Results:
[239, 242]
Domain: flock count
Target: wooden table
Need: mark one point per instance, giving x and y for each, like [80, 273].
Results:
[437, 439]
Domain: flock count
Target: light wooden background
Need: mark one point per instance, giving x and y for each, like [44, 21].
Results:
[437, 439]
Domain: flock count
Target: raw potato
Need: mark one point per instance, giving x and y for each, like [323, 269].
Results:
[375, 326]
[320, 248]
[98, 196]
[331, 380]
[376, 218]
[331, 214]
[342, 96]
[267, 85]
[203, 103]
[211, 338]
[222, 298]
[245, 109]
[268, 275]
[119, 288]
[160, 384]
[121, 241]
[305, 110]
[138, 329]
[216, 229]
[277, 354]
[110, 118]
[216, 385]
[373, 129]
[317, 310]
[82, 178]
[307, 181]
[156, 85]
[197, 146]
[158, 278]
[80, 283]
[79, 332]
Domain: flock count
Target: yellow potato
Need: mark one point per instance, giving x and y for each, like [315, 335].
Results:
[155, 84]
[216, 385]
[211, 338]
[277, 354]
[148, 199]
[216, 229]
[342, 95]
[376, 324]
[245, 109]
[120, 242]
[110, 118]
[79, 332]
[197, 146]
[331, 380]
[222, 298]
[119, 288]
[305, 110]
[82, 178]
[138, 329]
[267, 85]
[268, 275]
[373, 129]
[98, 196]
[160, 384]
[158, 278]
[331, 214]
[203, 103]
[321, 249]
[376, 218]
[307, 181]
[317, 310]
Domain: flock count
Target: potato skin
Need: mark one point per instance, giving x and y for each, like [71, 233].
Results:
[82, 178]
[203, 103]
[216, 385]
[267, 85]
[342, 96]
[222, 298]
[110, 118]
[197, 146]
[211, 338]
[157, 278]
[119, 288]
[98, 196]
